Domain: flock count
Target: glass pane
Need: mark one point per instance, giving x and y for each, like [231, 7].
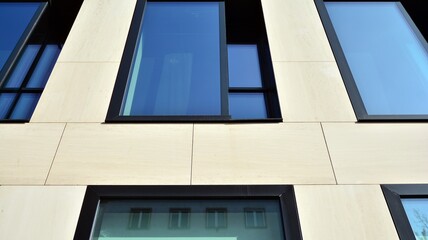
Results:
[176, 65]
[14, 18]
[417, 213]
[6, 100]
[44, 66]
[244, 68]
[113, 217]
[388, 61]
[26, 104]
[247, 106]
[20, 70]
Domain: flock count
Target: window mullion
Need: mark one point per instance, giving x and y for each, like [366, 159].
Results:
[224, 72]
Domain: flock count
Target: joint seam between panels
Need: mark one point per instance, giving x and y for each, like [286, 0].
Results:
[191, 154]
[56, 151]
[328, 152]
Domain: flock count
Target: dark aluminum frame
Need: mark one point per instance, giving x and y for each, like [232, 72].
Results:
[345, 71]
[393, 195]
[272, 102]
[284, 194]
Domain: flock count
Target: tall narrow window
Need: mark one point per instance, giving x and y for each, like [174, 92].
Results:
[382, 55]
[181, 64]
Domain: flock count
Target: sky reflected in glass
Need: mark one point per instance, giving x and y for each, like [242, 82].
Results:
[417, 213]
[387, 60]
[176, 65]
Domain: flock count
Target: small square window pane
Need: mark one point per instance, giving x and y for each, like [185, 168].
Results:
[255, 218]
[21, 69]
[139, 218]
[6, 100]
[244, 66]
[216, 218]
[247, 106]
[417, 213]
[26, 104]
[179, 218]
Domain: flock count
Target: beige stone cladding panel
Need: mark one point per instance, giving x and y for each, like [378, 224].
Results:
[260, 154]
[99, 32]
[295, 31]
[344, 212]
[312, 91]
[139, 154]
[378, 153]
[27, 151]
[77, 92]
[39, 213]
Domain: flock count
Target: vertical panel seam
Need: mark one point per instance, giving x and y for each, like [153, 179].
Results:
[56, 151]
[191, 154]
[328, 152]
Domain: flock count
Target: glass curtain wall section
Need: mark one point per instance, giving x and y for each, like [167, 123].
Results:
[386, 54]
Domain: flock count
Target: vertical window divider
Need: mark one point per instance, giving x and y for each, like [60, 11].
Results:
[224, 71]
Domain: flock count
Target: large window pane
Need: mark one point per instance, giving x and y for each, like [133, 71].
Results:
[176, 65]
[417, 213]
[198, 220]
[14, 19]
[387, 59]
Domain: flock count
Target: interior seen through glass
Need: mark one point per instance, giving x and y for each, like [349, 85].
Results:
[227, 219]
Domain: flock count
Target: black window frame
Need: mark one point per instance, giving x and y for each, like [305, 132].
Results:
[393, 194]
[283, 193]
[348, 79]
[49, 25]
[266, 68]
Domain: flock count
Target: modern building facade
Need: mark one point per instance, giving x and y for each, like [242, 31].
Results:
[311, 134]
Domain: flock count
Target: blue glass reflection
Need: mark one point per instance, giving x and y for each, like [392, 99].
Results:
[247, 106]
[387, 60]
[244, 67]
[26, 104]
[6, 100]
[20, 71]
[14, 19]
[417, 213]
[44, 66]
[176, 65]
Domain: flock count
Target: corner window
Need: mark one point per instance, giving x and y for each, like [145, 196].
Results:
[189, 212]
[408, 205]
[29, 47]
[195, 61]
[382, 55]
